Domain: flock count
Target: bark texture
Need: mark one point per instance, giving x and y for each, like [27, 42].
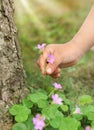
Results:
[12, 77]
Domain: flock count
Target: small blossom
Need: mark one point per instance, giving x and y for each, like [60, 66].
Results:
[41, 46]
[88, 128]
[38, 122]
[57, 99]
[77, 110]
[50, 58]
[57, 86]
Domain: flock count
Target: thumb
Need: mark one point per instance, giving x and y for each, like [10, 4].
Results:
[50, 68]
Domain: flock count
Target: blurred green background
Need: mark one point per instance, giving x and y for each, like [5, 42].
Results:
[54, 21]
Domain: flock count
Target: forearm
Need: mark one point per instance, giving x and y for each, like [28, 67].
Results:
[84, 39]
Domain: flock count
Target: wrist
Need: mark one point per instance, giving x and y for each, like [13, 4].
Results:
[79, 45]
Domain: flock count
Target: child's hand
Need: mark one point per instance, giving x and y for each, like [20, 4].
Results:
[68, 54]
[65, 55]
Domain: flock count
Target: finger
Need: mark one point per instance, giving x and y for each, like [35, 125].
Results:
[67, 64]
[42, 61]
[51, 68]
[58, 70]
[56, 76]
[56, 73]
[38, 63]
[42, 65]
[48, 66]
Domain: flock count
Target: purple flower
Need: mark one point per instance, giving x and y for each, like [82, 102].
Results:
[41, 46]
[57, 86]
[57, 99]
[38, 122]
[77, 110]
[51, 58]
[88, 128]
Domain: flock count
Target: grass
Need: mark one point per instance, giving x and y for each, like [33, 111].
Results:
[76, 80]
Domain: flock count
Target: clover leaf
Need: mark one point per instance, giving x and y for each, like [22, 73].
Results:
[85, 99]
[19, 126]
[21, 112]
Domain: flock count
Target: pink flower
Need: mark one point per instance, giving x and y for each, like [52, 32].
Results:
[41, 46]
[57, 99]
[50, 58]
[38, 122]
[57, 86]
[88, 128]
[77, 110]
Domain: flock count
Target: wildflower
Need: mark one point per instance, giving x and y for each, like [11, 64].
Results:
[38, 122]
[77, 110]
[57, 99]
[88, 128]
[51, 58]
[41, 46]
[57, 86]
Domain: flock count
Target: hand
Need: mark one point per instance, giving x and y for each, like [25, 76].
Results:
[65, 55]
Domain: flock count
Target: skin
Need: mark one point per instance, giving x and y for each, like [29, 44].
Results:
[68, 54]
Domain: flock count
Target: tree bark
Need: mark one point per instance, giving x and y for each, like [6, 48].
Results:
[12, 76]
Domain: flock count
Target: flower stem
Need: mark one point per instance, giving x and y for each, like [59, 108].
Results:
[51, 92]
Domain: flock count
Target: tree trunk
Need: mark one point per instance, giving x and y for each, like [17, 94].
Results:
[12, 76]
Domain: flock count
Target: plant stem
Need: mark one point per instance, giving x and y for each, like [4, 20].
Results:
[51, 92]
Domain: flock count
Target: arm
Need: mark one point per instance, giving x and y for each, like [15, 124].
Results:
[69, 53]
[85, 36]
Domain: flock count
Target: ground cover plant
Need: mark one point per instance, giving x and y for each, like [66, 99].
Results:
[43, 110]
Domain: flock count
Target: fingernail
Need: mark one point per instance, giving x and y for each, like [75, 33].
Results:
[49, 70]
[58, 75]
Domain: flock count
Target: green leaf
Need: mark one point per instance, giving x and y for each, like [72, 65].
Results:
[50, 111]
[90, 116]
[15, 109]
[80, 128]
[29, 123]
[59, 114]
[43, 103]
[88, 111]
[55, 122]
[92, 124]
[19, 109]
[78, 116]
[69, 124]
[21, 112]
[35, 97]
[64, 107]
[27, 103]
[85, 99]
[21, 118]
[50, 128]
[19, 126]
[67, 101]
[89, 108]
